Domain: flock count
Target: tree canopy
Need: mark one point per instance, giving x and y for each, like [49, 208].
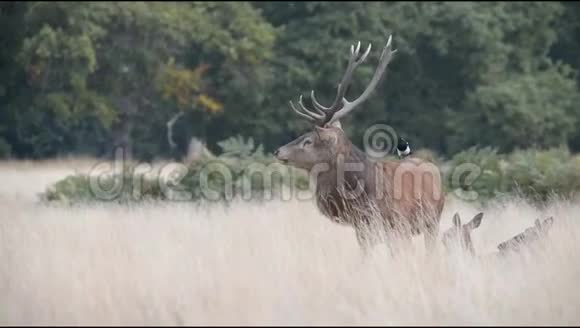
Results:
[85, 77]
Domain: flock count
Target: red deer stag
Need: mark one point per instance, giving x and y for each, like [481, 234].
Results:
[403, 196]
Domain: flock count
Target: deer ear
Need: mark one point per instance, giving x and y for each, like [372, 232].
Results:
[475, 222]
[456, 220]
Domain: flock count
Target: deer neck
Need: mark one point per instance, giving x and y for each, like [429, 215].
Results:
[349, 164]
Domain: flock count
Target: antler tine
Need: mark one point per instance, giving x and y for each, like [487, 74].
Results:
[353, 62]
[311, 119]
[365, 54]
[345, 78]
[319, 108]
[322, 108]
[385, 58]
[357, 49]
[322, 115]
[309, 112]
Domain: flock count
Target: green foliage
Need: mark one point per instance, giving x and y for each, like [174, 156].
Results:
[543, 174]
[70, 189]
[95, 62]
[476, 170]
[242, 171]
[521, 112]
[533, 174]
[5, 148]
[86, 77]
[450, 58]
[238, 147]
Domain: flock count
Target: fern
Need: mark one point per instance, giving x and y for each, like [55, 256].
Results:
[238, 147]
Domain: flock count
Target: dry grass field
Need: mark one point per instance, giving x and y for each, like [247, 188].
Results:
[277, 263]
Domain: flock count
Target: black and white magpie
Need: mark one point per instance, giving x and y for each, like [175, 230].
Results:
[403, 148]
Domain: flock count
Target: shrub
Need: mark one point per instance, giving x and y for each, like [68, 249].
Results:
[475, 170]
[540, 175]
[241, 171]
[536, 175]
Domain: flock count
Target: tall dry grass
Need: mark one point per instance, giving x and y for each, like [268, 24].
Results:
[273, 263]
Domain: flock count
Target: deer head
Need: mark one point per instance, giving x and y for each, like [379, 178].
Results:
[325, 140]
[460, 234]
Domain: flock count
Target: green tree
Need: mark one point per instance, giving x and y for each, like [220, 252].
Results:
[453, 59]
[90, 68]
[85, 77]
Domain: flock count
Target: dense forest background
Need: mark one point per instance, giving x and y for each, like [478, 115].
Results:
[82, 78]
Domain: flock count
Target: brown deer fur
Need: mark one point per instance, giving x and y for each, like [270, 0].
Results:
[402, 196]
[393, 197]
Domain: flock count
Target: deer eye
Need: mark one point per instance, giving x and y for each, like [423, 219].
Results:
[306, 142]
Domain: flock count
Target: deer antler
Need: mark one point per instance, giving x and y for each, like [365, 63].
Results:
[340, 107]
